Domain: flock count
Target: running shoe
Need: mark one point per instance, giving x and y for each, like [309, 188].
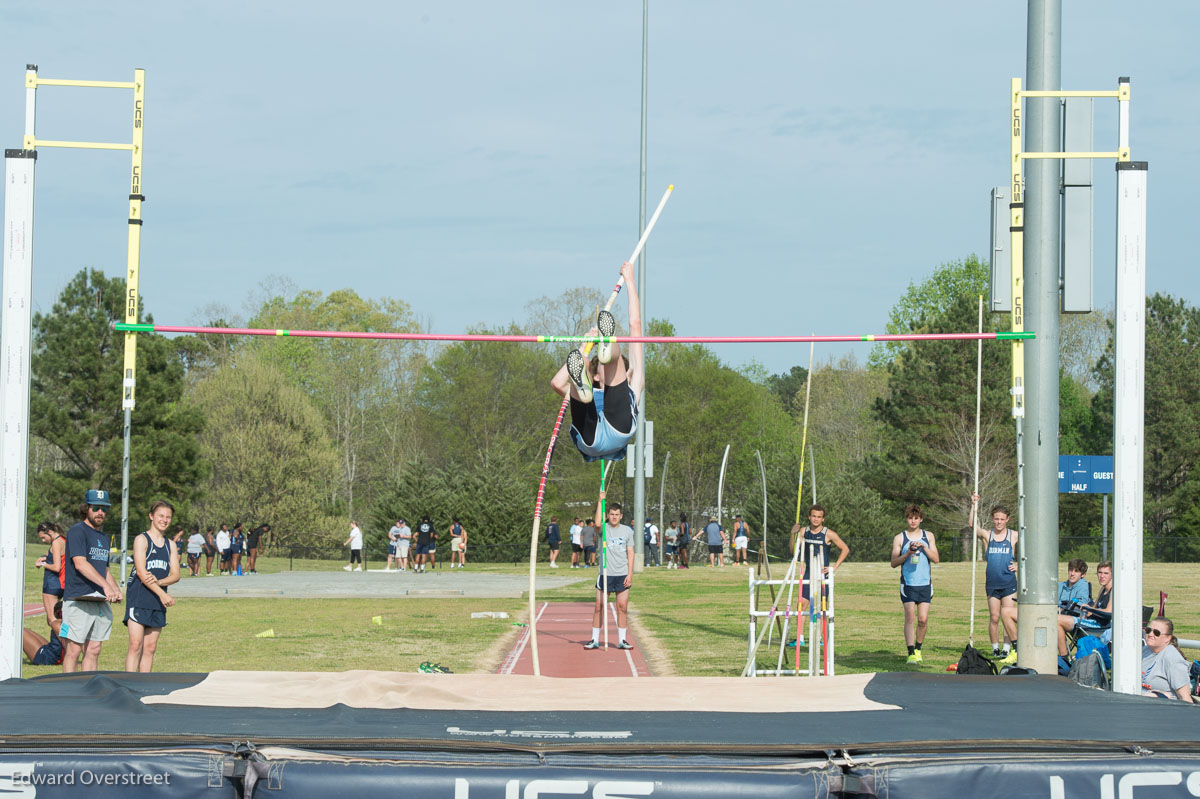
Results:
[1008, 659]
[624, 645]
[607, 325]
[592, 645]
[913, 659]
[577, 372]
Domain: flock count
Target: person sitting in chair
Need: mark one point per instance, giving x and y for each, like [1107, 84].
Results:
[1074, 590]
[1092, 618]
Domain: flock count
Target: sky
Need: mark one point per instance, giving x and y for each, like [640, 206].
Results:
[468, 157]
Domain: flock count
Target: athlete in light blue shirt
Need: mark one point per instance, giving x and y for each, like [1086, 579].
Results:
[913, 550]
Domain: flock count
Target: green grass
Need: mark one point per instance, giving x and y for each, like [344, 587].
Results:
[697, 619]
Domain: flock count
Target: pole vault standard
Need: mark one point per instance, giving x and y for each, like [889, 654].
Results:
[123, 327]
[16, 332]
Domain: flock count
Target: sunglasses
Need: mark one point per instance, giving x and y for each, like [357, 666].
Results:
[98, 508]
[1153, 633]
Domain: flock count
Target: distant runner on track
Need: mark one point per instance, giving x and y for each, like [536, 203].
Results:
[605, 393]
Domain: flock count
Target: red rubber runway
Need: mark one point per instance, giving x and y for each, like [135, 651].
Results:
[563, 628]
[34, 610]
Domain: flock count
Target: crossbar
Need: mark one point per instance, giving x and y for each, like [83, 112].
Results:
[531, 339]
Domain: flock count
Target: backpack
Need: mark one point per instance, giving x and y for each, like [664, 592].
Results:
[973, 662]
[1090, 643]
[1089, 671]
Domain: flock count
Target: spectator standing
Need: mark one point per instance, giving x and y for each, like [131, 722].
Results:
[671, 545]
[393, 546]
[458, 543]
[210, 551]
[576, 543]
[89, 588]
[195, 546]
[553, 541]
[685, 540]
[52, 564]
[426, 536]
[155, 565]
[617, 576]
[587, 539]
[717, 539]
[355, 542]
[237, 545]
[651, 536]
[741, 540]
[255, 541]
[405, 544]
[223, 547]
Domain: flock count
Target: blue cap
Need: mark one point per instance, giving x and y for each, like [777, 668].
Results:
[96, 496]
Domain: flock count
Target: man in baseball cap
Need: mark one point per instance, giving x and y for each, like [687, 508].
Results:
[88, 587]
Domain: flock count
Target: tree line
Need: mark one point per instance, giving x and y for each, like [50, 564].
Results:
[306, 434]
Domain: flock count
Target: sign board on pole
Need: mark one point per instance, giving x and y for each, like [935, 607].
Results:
[1085, 474]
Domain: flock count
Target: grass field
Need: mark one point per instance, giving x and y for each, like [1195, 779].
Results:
[694, 622]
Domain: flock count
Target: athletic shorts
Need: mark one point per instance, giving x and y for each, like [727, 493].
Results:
[55, 589]
[424, 549]
[193, 555]
[669, 549]
[715, 549]
[146, 617]
[741, 542]
[920, 594]
[554, 545]
[210, 550]
[392, 548]
[589, 551]
[226, 555]
[616, 583]
[805, 591]
[456, 545]
[84, 621]
[47, 656]
[1001, 593]
[576, 547]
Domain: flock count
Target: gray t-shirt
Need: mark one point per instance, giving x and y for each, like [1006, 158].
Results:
[713, 531]
[617, 541]
[394, 533]
[587, 538]
[1165, 671]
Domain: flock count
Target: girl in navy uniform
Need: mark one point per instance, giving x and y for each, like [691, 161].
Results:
[913, 550]
[156, 565]
[52, 563]
[237, 545]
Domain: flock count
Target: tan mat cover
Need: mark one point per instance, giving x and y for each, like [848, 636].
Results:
[393, 690]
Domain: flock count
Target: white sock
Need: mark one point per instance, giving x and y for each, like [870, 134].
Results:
[620, 633]
[595, 635]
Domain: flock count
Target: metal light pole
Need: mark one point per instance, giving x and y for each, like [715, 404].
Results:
[639, 444]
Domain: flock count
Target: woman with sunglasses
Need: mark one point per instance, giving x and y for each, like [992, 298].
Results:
[1165, 671]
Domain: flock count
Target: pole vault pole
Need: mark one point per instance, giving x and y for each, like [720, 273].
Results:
[799, 500]
[721, 489]
[975, 493]
[562, 410]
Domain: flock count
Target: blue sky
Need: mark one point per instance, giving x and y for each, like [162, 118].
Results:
[469, 156]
